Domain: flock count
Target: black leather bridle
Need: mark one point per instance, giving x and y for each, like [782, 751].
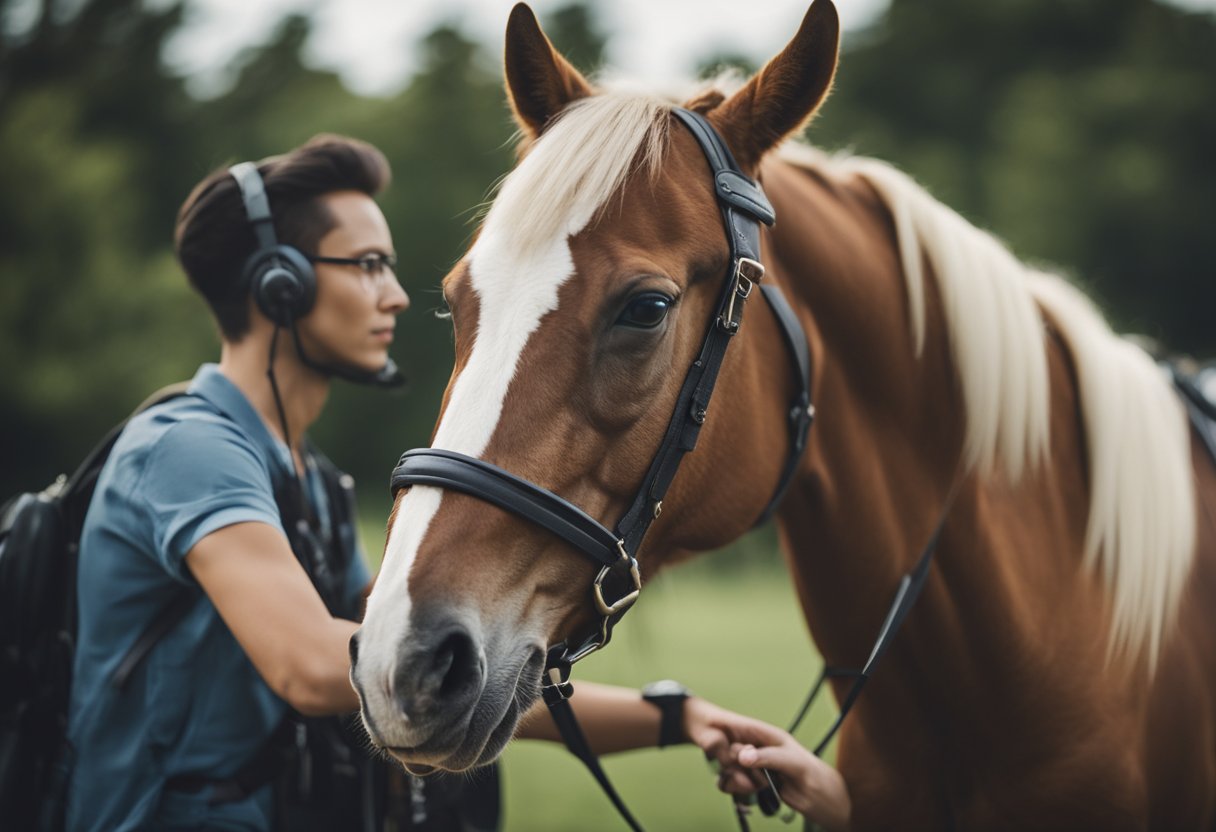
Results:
[617, 585]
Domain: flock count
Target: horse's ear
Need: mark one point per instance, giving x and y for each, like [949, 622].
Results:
[540, 82]
[783, 96]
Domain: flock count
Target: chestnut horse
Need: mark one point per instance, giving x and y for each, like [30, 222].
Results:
[1059, 669]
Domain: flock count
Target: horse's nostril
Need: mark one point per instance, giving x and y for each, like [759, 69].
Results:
[446, 676]
[354, 650]
[455, 663]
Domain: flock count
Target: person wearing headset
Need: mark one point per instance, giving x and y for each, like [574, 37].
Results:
[220, 580]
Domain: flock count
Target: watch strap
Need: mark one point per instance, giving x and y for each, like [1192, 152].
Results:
[669, 697]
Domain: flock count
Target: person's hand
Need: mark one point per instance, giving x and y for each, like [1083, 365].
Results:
[714, 731]
[709, 727]
[806, 783]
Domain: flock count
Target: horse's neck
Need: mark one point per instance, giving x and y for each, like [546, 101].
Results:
[886, 432]
[886, 449]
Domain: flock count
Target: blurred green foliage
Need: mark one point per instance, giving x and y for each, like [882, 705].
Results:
[1082, 131]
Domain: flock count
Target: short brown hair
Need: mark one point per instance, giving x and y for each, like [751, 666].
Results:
[213, 237]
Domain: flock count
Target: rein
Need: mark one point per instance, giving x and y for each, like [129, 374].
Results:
[909, 589]
[618, 583]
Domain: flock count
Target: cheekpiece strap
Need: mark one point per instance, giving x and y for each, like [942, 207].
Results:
[744, 207]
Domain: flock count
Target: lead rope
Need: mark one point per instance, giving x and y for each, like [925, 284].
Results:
[557, 696]
[557, 691]
[906, 593]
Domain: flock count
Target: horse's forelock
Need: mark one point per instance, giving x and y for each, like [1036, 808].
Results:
[577, 165]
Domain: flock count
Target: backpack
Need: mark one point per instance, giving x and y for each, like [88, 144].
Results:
[39, 539]
[322, 774]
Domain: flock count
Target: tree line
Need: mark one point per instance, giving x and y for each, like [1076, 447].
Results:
[1081, 132]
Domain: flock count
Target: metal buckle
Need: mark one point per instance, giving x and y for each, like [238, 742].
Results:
[590, 646]
[626, 601]
[747, 274]
[558, 686]
[608, 612]
[751, 271]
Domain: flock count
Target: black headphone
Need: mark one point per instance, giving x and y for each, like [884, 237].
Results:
[281, 279]
[283, 282]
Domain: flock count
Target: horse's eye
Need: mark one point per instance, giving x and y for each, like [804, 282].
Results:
[645, 311]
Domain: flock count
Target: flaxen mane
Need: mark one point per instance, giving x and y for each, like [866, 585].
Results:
[1141, 533]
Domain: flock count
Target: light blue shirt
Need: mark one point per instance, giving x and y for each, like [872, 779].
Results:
[196, 705]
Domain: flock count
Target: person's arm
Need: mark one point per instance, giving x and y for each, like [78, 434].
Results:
[613, 718]
[264, 596]
[618, 719]
[806, 783]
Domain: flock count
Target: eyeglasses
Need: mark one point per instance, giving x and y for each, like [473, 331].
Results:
[373, 264]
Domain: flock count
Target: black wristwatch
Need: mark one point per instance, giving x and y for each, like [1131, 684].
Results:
[669, 698]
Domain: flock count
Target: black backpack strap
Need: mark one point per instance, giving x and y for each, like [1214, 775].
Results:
[324, 557]
[165, 620]
[77, 492]
[91, 467]
[79, 489]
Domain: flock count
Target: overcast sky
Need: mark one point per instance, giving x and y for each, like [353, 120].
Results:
[371, 42]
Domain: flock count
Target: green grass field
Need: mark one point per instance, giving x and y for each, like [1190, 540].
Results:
[727, 625]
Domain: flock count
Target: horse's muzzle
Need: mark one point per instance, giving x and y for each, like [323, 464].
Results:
[439, 702]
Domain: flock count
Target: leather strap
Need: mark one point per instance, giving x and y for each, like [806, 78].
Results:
[458, 472]
[166, 619]
[732, 185]
[802, 412]
[691, 411]
[909, 589]
[1199, 409]
[557, 697]
[744, 206]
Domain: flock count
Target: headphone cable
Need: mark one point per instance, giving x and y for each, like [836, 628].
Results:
[278, 403]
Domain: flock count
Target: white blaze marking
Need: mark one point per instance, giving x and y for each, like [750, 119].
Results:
[516, 267]
[514, 293]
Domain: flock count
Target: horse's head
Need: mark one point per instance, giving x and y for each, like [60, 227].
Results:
[577, 313]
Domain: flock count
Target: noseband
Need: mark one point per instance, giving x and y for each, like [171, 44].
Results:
[617, 585]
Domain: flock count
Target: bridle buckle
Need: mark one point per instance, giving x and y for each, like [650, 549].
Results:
[747, 274]
[627, 600]
[555, 685]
